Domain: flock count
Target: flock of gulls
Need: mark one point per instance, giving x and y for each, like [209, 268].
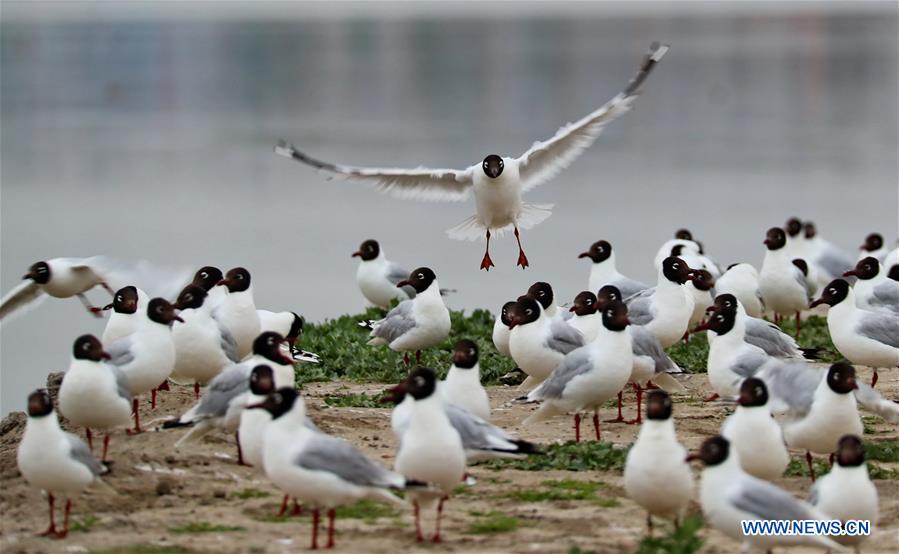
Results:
[206, 330]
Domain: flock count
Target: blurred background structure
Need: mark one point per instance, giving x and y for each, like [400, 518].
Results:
[145, 130]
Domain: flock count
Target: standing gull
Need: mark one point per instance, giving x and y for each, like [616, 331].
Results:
[462, 385]
[497, 182]
[604, 272]
[873, 289]
[756, 435]
[377, 276]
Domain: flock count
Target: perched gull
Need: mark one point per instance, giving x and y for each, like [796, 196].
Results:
[731, 358]
[501, 329]
[237, 310]
[377, 276]
[54, 460]
[320, 470]
[415, 324]
[586, 319]
[829, 261]
[542, 292]
[462, 385]
[700, 288]
[430, 450]
[129, 308]
[588, 376]
[290, 326]
[656, 473]
[847, 492]
[864, 337]
[756, 435]
[665, 309]
[497, 182]
[683, 238]
[782, 279]
[728, 496]
[147, 356]
[742, 282]
[94, 394]
[604, 272]
[873, 246]
[67, 277]
[873, 289]
[203, 345]
[538, 342]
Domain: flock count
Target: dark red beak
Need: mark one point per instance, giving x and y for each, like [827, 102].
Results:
[711, 310]
[356, 254]
[692, 457]
[222, 282]
[178, 318]
[584, 255]
[105, 356]
[700, 328]
[403, 283]
[850, 272]
[817, 302]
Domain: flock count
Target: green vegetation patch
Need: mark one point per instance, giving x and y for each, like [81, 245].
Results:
[882, 451]
[682, 540]
[195, 527]
[359, 400]
[246, 494]
[492, 522]
[693, 356]
[367, 510]
[341, 343]
[85, 525]
[799, 468]
[558, 490]
[570, 456]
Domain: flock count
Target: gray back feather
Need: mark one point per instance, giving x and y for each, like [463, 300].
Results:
[748, 363]
[395, 274]
[476, 433]
[227, 342]
[791, 387]
[337, 456]
[766, 501]
[771, 339]
[834, 262]
[80, 452]
[886, 295]
[645, 343]
[121, 382]
[225, 387]
[397, 323]
[119, 351]
[880, 326]
[563, 337]
[639, 307]
[576, 363]
[629, 287]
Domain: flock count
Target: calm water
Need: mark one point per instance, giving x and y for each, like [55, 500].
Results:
[153, 140]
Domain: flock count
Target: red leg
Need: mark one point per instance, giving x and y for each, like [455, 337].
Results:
[436, 537]
[522, 259]
[105, 447]
[874, 379]
[197, 391]
[811, 468]
[596, 424]
[315, 519]
[418, 357]
[639, 419]
[297, 509]
[240, 460]
[620, 417]
[577, 427]
[65, 521]
[90, 438]
[332, 515]
[136, 414]
[418, 536]
[406, 359]
[798, 323]
[686, 337]
[52, 529]
[283, 509]
[487, 263]
[95, 311]
[153, 399]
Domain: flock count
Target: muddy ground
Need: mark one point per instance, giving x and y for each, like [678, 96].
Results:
[160, 491]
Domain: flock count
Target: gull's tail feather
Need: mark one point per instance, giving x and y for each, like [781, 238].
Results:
[668, 383]
[532, 214]
[469, 229]
[872, 401]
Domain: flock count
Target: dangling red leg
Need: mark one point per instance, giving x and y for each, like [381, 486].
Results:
[596, 423]
[418, 357]
[436, 537]
[297, 509]
[639, 419]
[315, 519]
[811, 468]
[240, 460]
[487, 263]
[65, 521]
[105, 448]
[197, 391]
[153, 399]
[418, 536]
[332, 515]
[577, 427]
[97, 312]
[798, 323]
[136, 414]
[874, 379]
[283, 509]
[522, 259]
[52, 529]
[620, 417]
[90, 438]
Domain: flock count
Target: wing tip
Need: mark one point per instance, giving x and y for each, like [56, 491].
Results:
[658, 50]
[284, 148]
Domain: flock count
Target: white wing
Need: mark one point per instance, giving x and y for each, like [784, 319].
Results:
[27, 294]
[417, 184]
[152, 279]
[545, 159]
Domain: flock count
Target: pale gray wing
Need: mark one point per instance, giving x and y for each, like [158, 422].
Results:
[25, 294]
[629, 287]
[639, 307]
[419, 184]
[766, 501]
[121, 382]
[476, 433]
[771, 339]
[645, 343]
[749, 362]
[834, 261]
[398, 322]
[563, 337]
[395, 274]
[156, 281]
[872, 401]
[576, 363]
[880, 326]
[337, 456]
[800, 278]
[791, 387]
[545, 159]
[814, 493]
[120, 351]
[227, 341]
[886, 295]
[225, 387]
[79, 451]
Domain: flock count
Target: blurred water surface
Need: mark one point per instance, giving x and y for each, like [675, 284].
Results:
[153, 139]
